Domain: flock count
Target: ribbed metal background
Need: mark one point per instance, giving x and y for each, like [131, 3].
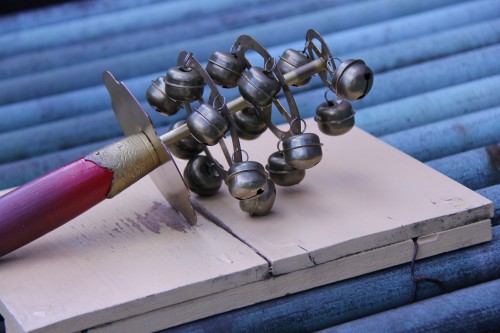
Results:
[436, 97]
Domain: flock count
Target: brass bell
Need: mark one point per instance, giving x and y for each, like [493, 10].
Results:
[225, 68]
[201, 176]
[246, 180]
[335, 118]
[207, 125]
[249, 123]
[158, 99]
[262, 204]
[281, 173]
[290, 60]
[187, 147]
[352, 79]
[302, 151]
[184, 84]
[258, 87]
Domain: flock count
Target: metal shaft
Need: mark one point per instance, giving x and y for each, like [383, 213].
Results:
[237, 104]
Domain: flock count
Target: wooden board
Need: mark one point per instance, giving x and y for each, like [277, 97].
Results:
[364, 194]
[132, 261]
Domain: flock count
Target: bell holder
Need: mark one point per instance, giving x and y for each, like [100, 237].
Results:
[259, 88]
[76, 187]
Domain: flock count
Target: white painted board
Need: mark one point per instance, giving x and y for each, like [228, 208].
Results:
[364, 194]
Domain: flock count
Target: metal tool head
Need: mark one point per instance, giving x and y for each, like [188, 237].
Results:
[133, 119]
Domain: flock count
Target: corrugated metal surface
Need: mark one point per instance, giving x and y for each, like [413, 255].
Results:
[436, 97]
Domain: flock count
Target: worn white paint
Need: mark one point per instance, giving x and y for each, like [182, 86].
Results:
[364, 194]
[133, 261]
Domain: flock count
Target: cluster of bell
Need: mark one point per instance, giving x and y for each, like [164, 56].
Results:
[248, 181]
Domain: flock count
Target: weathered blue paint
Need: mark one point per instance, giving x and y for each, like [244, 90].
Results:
[475, 169]
[493, 193]
[64, 12]
[429, 107]
[448, 137]
[344, 41]
[474, 309]
[101, 26]
[66, 134]
[141, 38]
[152, 60]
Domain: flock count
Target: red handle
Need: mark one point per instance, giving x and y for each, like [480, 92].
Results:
[48, 202]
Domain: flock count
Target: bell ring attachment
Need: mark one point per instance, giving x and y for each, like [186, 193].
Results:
[207, 125]
[187, 147]
[225, 68]
[258, 87]
[184, 84]
[352, 79]
[292, 59]
[335, 118]
[281, 173]
[249, 123]
[246, 180]
[302, 151]
[201, 176]
[158, 99]
[261, 205]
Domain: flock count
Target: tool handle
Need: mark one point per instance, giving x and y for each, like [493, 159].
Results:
[40, 206]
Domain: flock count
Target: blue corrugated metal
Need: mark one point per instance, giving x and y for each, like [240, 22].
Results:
[435, 97]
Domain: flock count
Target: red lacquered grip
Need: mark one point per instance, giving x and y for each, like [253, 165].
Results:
[48, 202]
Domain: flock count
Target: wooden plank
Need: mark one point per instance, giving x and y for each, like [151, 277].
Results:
[124, 257]
[363, 195]
[318, 275]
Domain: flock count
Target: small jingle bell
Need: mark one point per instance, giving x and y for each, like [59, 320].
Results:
[258, 87]
[159, 100]
[225, 68]
[261, 205]
[201, 176]
[249, 123]
[281, 173]
[352, 79]
[302, 151]
[184, 84]
[335, 118]
[246, 180]
[187, 147]
[207, 125]
[292, 59]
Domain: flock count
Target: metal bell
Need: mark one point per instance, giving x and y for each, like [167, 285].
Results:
[225, 68]
[187, 147]
[249, 123]
[352, 79]
[261, 205]
[258, 87]
[335, 118]
[201, 176]
[302, 151]
[281, 173]
[246, 180]
[290, 60]
[207, 125]
[184, 84]
[159, 100]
